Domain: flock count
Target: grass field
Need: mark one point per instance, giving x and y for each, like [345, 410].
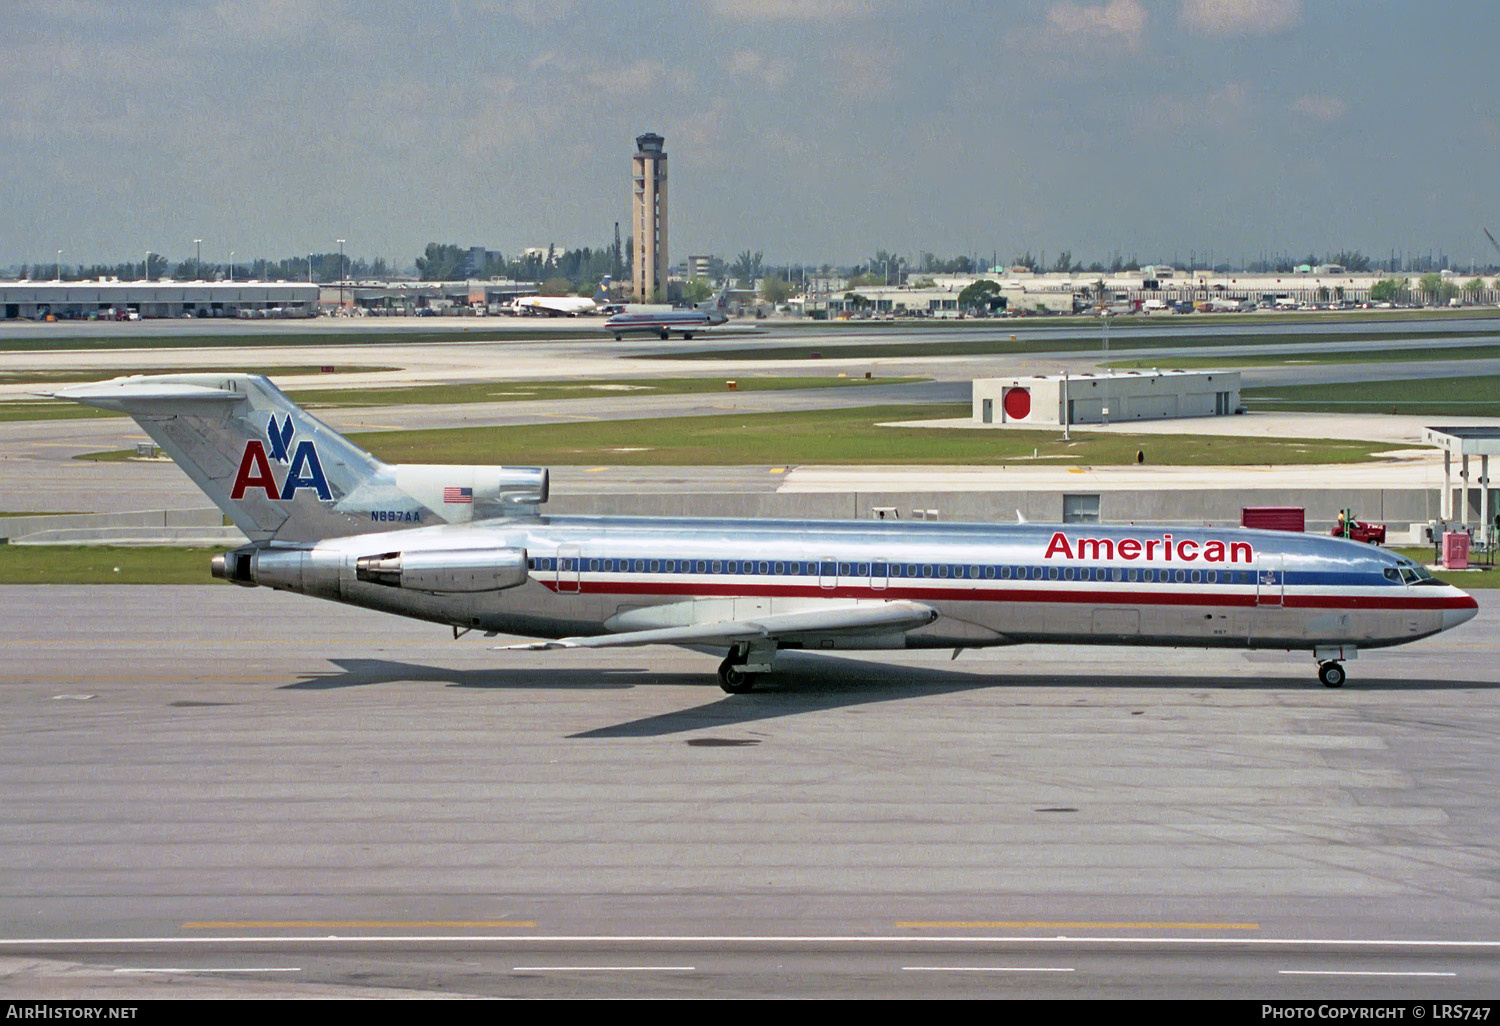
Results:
[49, 409]
[517, 391]
[1422, 354]
[1000, 343]
[104, 564]
[481, 392]
[1469, 396]
[84, 375]
[840, 436]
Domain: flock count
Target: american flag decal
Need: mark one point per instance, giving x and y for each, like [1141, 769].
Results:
[458, 494]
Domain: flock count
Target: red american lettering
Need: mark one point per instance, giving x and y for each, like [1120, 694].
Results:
[1188, 550]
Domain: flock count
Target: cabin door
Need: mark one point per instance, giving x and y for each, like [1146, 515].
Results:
[569, 569]
[1270, 582]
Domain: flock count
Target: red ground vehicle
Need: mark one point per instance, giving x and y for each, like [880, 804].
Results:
[1360, 531]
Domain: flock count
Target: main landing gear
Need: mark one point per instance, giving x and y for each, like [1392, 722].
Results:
[733, 677]
[1331, 674]
[744, 665]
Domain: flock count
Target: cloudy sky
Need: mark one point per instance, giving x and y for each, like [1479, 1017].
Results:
[810, 129]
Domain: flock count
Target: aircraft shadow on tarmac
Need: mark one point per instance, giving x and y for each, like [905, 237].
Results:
[353, 673]
[807, 682]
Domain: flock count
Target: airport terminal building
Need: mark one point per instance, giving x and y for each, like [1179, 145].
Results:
[127, 300]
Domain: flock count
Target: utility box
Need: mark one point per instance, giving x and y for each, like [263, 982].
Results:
[1456, 550]
[1274, 518]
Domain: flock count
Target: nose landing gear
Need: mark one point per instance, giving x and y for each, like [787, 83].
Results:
[1331, 663]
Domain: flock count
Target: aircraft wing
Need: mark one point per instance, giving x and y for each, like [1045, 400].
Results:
[896, 616]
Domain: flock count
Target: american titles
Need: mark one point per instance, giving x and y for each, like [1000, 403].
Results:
[1165, 548]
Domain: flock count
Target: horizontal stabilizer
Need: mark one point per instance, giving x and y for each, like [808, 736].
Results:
[887, 617]
[126, 394]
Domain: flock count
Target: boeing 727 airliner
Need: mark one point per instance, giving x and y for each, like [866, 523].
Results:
[685, 322]
[468, 547]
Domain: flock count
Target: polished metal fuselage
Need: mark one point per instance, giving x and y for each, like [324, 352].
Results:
[992, 584]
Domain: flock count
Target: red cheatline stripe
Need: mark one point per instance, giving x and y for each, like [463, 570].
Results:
[1292, 600]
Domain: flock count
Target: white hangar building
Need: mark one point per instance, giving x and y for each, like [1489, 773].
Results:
[1109, 398]
[83, 300]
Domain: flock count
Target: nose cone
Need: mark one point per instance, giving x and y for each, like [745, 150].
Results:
[1461, 608]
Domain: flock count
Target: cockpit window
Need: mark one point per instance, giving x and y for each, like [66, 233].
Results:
[1392, 574]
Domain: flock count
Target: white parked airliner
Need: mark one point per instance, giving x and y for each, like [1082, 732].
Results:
[467, 546]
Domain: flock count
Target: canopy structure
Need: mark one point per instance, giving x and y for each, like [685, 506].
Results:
[1465, 442]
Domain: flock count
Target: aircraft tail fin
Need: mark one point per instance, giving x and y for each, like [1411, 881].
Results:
[277, 472]
[282, 475]
[718, 300]
[601, 294]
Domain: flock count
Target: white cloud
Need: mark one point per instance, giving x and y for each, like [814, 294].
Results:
[774, 73]
[1319, 107]
[1224, 109]
[635, 79]
[1118, 21]
[800, 10]
[1241, 17]
[535, 13]
[863, 72]
[263, 20]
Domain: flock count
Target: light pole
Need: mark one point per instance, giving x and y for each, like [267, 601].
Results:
[146, 272]
[341, 276]
[59, 265]
[1066, 411]
[198, 260]
[231, 265]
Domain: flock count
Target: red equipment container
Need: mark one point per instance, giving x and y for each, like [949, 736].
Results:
[1274, 518]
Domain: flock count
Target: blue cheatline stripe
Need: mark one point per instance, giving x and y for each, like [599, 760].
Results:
[927, 573]
[1125, 595]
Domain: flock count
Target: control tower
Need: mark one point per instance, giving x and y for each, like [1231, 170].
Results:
[648, 173]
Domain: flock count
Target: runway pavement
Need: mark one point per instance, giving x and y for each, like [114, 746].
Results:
[591, 353]
[208, 791]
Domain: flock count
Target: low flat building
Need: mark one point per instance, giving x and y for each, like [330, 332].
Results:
[1047, 399]
[108, 300]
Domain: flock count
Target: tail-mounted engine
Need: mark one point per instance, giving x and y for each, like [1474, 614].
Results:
[444, 571]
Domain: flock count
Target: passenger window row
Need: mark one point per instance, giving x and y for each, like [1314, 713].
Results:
[894, 571]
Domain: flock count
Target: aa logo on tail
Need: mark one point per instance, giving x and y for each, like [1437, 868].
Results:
[306, 470]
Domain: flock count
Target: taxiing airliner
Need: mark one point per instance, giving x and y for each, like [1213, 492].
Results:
[467, 546]
[665, 323]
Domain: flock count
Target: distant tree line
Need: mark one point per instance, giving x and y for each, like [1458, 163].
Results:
[581, 269]
[558, 271]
